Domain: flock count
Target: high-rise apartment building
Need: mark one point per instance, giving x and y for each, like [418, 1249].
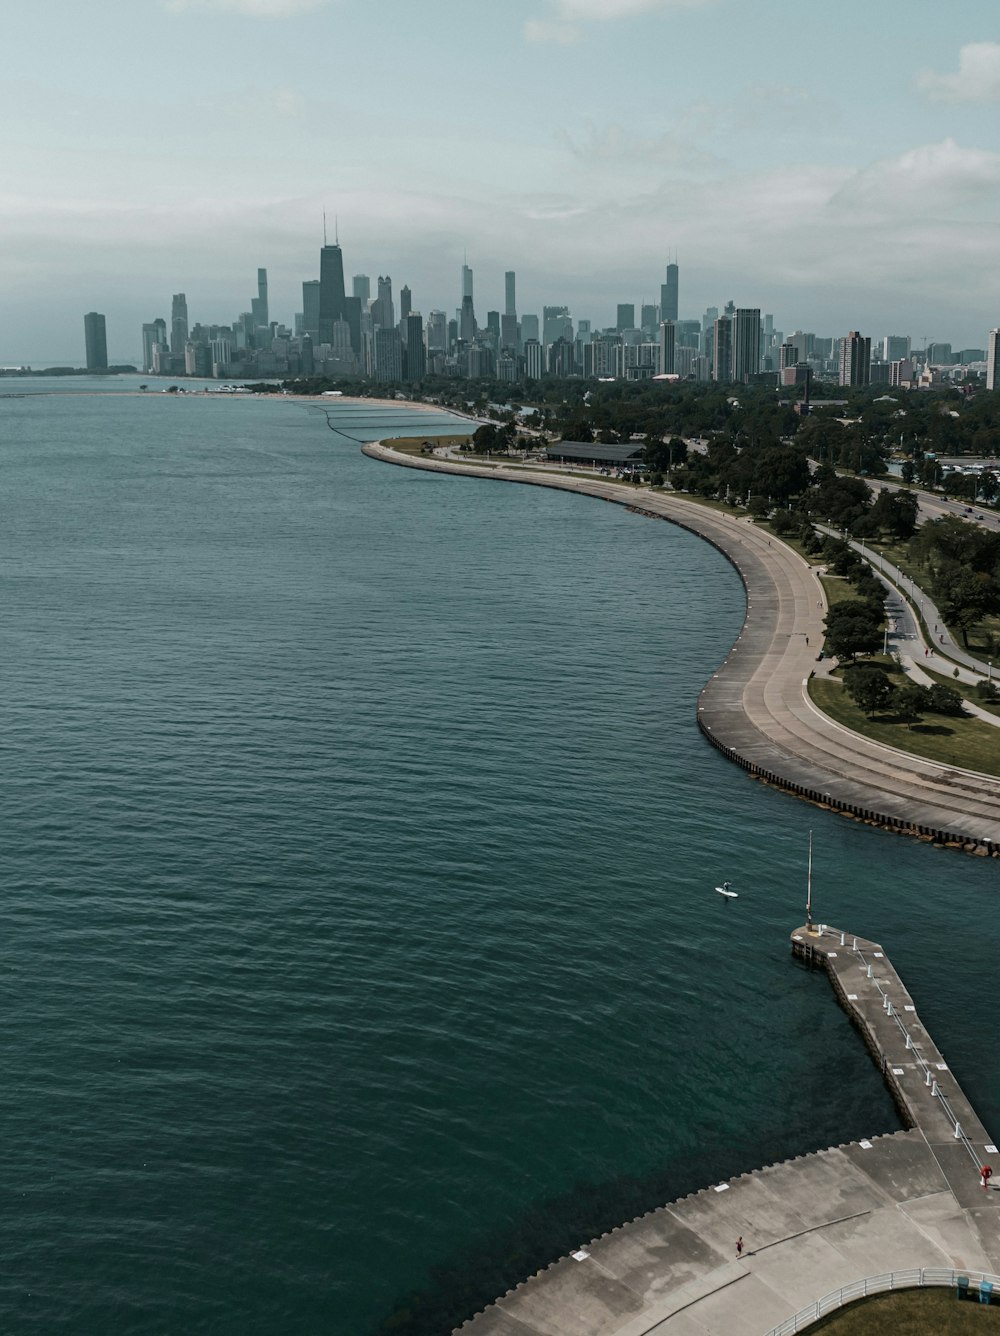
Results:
[993, 359]
[388, 354]
[626, 316]
[361, 287]
[722, 349]
[510, 295]
[529, 328]
[416, 358]
[746, 343]
[534, 359]
[178, 323]
[855, 359]
[310, 308]
[96, 340]
[669, 294]
[668, 348]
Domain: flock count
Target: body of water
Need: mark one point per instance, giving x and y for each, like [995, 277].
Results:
[360, 948]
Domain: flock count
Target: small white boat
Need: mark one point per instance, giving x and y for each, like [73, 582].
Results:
[724, 890]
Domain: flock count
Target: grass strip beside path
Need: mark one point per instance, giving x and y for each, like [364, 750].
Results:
[912, 1313]
[964, 742]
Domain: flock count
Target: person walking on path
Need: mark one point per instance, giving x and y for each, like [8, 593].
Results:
[739, 1247]
[986, 1173]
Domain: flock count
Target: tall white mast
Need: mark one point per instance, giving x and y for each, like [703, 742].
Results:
[809, 886]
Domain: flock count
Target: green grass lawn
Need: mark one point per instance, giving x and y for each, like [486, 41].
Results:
[912, 1313]
[968, 743]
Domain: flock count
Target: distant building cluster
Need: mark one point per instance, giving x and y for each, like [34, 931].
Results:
[364, 333]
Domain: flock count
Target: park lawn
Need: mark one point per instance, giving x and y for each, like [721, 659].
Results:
[912, 1313]
[837, 589]
[965, 742]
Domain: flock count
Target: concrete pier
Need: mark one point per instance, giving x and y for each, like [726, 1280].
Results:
[911, 1202]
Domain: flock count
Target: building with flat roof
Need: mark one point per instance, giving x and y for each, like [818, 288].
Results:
[95, 334]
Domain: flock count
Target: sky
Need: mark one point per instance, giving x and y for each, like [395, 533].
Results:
[835, 164]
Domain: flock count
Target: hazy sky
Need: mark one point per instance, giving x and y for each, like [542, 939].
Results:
[836, 164]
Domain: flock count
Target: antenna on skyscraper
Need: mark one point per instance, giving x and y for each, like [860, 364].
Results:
[336, 230]
[324, 227]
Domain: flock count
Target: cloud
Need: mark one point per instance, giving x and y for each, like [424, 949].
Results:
[977, 78]
[258, 9]
[940, 180]
[563, 26]
[548, 30]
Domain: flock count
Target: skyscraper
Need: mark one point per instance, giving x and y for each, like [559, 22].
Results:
[416, 358]
[668, 350]
[361, 286]
[855, 359]
[466, 282]
[405, 307]
[331, 290]
[649, 319]
[992, 359]
[467, 320]
[722, 349]
[510, 298]
[626, 316]
[178, 323]
[258, 304]
[383, 309]
[96, 338]
[746, 343]
[669, 294]
[310, 308]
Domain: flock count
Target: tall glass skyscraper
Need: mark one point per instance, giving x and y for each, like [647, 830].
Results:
[331, 291]
[95, 334]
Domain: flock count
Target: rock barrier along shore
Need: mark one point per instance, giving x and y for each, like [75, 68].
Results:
[756, 710]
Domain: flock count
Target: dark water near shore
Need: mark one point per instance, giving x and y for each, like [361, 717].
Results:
[359, 845]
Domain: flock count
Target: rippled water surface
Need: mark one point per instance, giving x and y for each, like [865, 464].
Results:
[360, 951]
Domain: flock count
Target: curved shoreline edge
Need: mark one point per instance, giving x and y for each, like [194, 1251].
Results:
[756, 711]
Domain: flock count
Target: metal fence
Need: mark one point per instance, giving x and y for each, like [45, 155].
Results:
[917, 1278]
[930, 1078]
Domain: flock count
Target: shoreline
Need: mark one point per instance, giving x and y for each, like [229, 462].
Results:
[755, 709]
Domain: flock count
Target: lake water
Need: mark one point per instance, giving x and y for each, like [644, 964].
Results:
[360, 952]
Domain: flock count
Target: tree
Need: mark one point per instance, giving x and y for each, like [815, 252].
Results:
[963, 597]
[910, 702]
[869, 688]
[853, 627]
[944, 700]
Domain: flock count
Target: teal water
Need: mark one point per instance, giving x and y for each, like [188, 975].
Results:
[360, 951]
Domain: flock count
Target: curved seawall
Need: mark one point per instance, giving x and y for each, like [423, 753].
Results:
[756, 709]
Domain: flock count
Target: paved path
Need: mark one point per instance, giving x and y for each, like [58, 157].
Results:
[756, 708]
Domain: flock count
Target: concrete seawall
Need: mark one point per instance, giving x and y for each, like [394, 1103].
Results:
[811, 1225]
[756, 709]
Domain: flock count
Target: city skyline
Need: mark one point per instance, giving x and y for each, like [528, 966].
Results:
[840, 173]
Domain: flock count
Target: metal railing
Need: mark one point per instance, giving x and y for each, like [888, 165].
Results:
[930, 1080]
[918, 1278]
